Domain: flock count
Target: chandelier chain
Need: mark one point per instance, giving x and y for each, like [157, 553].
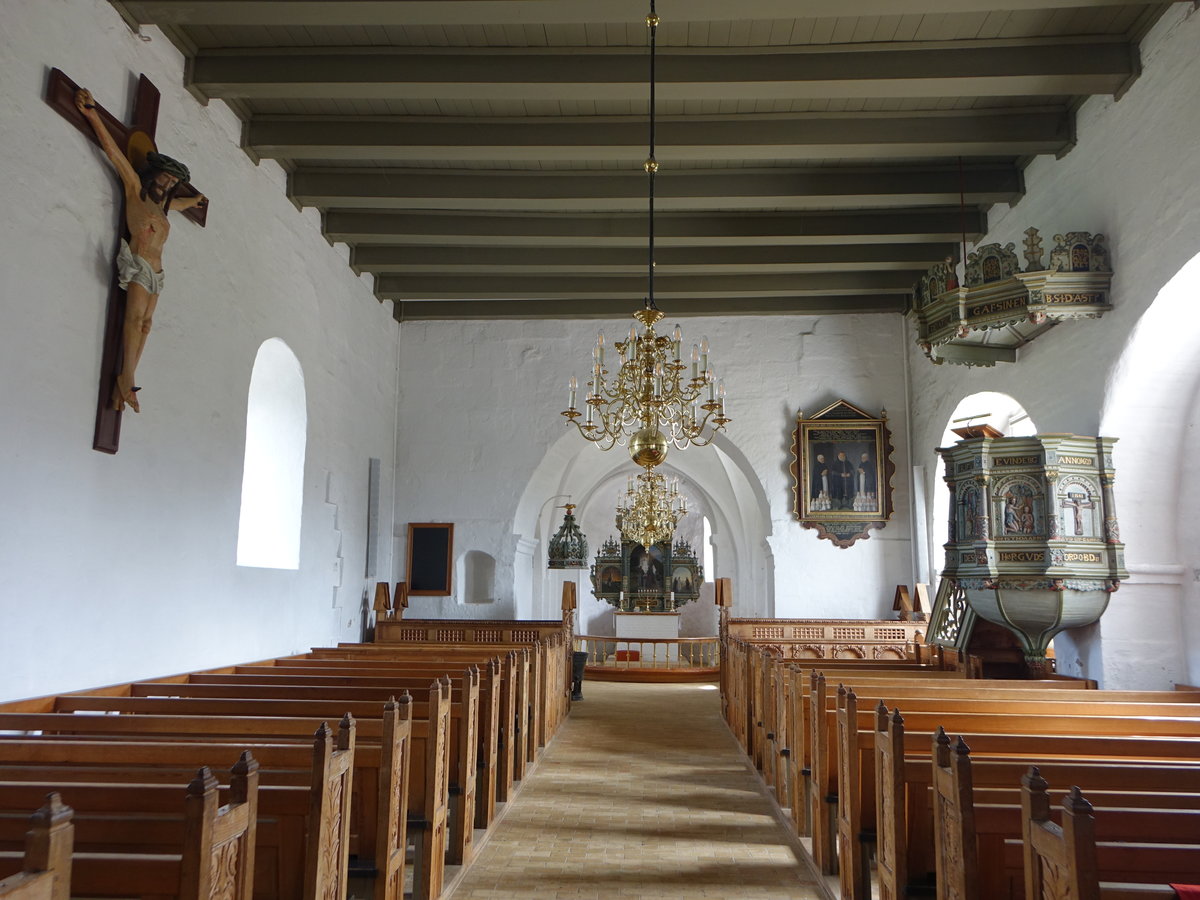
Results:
[651, 403]
[651, 162]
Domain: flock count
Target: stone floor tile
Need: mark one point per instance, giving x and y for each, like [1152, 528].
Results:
[643, 793]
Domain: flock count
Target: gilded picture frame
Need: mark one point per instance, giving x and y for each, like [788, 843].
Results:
[842, 473]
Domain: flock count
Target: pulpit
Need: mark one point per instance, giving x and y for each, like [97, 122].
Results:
[1033, 545]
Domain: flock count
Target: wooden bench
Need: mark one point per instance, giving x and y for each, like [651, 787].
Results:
[209, 853]
[293, 700]
[903, 778]
[46, 863]
[548, 696]
[511, 737]
[808, 690]
[325, 683]
[1064, 860]
[308, 842]
[975, 840]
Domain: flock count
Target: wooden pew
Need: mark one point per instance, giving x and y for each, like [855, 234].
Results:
[807, 749]
[317, 852]
[210, 853]
[511, 736]
[904, 779]
[972, 837]
[554, 636]
[325, 683]
[547, 696]
[470, 753]
[1064, 860]
[46, 863]
[390, 753]
[286, 704]
[844, 744]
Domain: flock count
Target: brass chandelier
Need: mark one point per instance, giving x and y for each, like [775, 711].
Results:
[654, 400]
[650, 510]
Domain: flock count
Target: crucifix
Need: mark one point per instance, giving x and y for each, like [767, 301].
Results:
[1077, 502]
[138, 276]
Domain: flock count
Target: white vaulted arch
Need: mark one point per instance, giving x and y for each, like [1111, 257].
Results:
[720, 477]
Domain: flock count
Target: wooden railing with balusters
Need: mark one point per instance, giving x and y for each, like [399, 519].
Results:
[650, 659]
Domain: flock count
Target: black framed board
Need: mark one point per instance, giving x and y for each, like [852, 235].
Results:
[430, 551]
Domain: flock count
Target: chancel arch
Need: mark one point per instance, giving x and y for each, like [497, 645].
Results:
[722, 485]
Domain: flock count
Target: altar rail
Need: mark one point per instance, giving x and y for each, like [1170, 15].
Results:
[831, 638]
[650, 659]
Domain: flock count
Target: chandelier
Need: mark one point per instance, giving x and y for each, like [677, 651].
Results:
[654, 400]
[648, 512]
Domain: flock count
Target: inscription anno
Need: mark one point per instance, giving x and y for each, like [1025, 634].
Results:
[1077, 460]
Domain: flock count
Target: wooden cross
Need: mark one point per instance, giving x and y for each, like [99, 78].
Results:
[138, 139]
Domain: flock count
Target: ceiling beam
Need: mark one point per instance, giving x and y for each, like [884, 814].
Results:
[907, 135]
[826, 188]
[692, 230]
[410, 311]
[1057, 67]
[632, 287]
[543, 12]
[418, 259]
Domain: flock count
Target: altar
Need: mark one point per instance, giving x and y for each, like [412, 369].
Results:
[648, 626]
[634, 628]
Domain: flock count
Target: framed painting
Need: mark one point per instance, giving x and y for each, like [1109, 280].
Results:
[842, 472]
[430, 552]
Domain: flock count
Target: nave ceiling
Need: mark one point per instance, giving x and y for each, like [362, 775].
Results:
[483, 158]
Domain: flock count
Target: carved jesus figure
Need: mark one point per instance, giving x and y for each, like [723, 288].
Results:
[148, 197]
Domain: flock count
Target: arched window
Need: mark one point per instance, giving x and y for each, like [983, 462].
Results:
[273, 472]
[710, 573]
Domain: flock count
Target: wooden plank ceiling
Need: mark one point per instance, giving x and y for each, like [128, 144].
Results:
[483, 158]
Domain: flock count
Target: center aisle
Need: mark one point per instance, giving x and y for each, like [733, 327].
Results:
[643, 793]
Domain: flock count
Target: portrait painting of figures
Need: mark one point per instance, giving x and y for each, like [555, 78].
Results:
[842, 469]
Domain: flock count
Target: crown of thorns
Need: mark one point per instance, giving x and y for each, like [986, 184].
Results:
[159, 163]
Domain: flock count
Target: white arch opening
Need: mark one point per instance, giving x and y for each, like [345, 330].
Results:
[273, 469]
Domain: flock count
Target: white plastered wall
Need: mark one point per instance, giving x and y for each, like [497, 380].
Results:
[482, 445]
[119, 567]
[1133, 177]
